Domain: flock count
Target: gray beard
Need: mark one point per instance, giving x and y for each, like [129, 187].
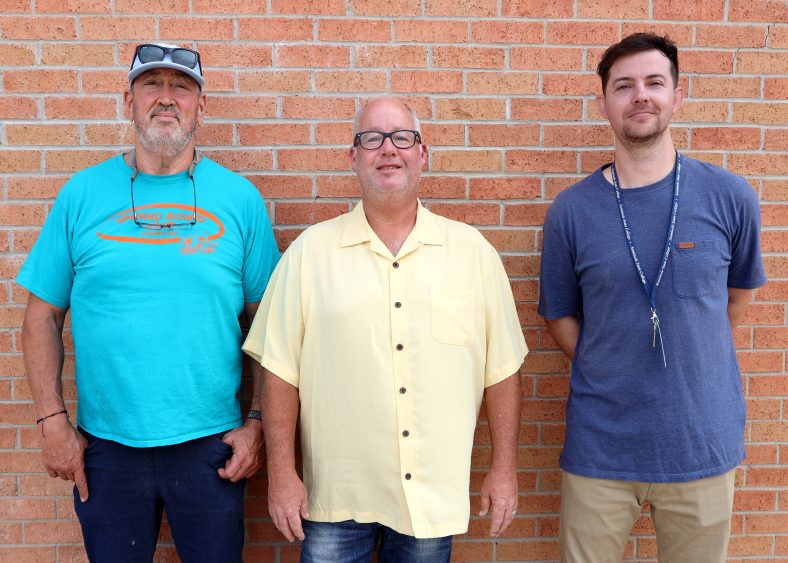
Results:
[163, 142]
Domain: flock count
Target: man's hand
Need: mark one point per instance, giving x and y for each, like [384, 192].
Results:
[287, 504]
[499, 491]
[247, 444]
[63, 451]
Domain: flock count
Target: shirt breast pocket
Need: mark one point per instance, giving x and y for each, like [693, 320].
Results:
[696, 270]
[452, 311]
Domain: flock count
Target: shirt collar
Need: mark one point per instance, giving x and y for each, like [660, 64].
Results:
[425, 231]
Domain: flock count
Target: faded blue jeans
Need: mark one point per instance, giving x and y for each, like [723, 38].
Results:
[129, 488]
[351, 542]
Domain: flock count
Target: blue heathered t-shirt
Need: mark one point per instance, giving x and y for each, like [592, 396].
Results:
[155, 313]
[628, 417]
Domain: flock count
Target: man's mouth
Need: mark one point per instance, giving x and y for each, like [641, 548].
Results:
[388, 167]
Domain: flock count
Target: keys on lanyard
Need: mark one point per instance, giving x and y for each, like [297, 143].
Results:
[651, 291]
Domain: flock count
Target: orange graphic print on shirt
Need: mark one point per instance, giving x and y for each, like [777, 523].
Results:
[202, 238]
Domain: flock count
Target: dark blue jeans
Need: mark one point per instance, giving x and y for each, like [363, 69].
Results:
[351, 542]
[130, 487]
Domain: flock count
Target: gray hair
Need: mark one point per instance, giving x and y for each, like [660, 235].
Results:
[360, 113]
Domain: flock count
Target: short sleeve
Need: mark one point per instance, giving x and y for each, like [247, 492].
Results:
[276, 336]
[48, 272]
[559, 291]
[261, 253]
[506, 347]
[746, 266]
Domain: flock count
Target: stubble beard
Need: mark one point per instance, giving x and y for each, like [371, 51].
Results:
[165, 141]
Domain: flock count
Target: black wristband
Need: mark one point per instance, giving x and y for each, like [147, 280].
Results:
[255, 414]
[43, 418]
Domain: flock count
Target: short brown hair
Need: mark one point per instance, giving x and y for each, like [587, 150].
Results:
[637, 43]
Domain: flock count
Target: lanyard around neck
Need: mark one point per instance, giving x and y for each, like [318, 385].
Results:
[651, 291]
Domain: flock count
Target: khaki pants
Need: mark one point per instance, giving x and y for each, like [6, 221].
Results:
[691, 519]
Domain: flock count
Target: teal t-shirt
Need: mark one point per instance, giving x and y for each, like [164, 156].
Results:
[154, 313]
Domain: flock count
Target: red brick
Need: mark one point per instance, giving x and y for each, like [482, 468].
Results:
[275, 29]
[686, 11]
[317, 108]
[273, 134]
[79, 54]
[275, 187]
[763, 113]
[316, 7]
[112, 134]
[19, 554]
[467, 57]
[26, 509]
[506, 83]
[104, 81]
[582, 33]
[761, 62]
[767, 476]
[366, 30]
[425, 31]
[546, 58]
[471, 551]
[390, 56]
[442, 187]
[776, 140]
[503, 135]
[39, 134]
[679, 33]
[709, 62]
[19, 161]
[505, 188]
[470, 213]
[386, 7]
[80, 107]
[16, 107]
[182, 29]
[765, 523]
[119, 28]
[768, 385]
[308, 213]
[690, 111]
[775, 189]
[507, 32]
[20, 6]
[726, 138]
[52, 28]
[758, 10]
[466, 160]
[240, 159]
[545, 109]
[40, 80]
[241, 107]
[725, 87]
[444, 134]
[73, 160]
[774, 241]
[760, 361]
[760, 454]
[618, 9]
[750, 545]
[144, 6]
[226, 7]
[570, 84]
[469, 8]
[312, 56]
[514, 240]
[313, 159]
[350, 81]
[593, 159]
[769, 431]
[470, 108]
[528, 550]
[53, 532]
[735, 36]
[73, 6]
[765, 164]
[778, 37]
[541, 161]
[17, 55]
[525, 214]
[577, 135]
[537, 8]
[775, 88]
[433, 81]
[334, 133]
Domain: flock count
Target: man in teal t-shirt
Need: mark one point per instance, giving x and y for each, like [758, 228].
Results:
[156, 253]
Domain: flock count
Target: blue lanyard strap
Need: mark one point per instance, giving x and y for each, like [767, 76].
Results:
[651, 291]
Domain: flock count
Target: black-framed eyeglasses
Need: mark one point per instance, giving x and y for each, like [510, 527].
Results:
[373, 140]
[148, 53]
[164, 226]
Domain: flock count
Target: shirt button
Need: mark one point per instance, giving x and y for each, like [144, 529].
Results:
[407, 476]
[396, 264]
[397, 304]
[402, 390]
[400, 347]
[405, 433]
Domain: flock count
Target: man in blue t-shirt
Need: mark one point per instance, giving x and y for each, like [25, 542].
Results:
[156, 253]
[647, 264]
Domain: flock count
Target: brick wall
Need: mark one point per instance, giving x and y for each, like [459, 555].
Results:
[505, 90]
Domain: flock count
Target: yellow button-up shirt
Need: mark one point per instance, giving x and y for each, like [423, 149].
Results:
[391, 355]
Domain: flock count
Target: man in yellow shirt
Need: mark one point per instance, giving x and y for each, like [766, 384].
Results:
[386, 326]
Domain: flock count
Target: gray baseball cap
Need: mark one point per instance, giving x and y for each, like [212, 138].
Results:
[161, 55]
